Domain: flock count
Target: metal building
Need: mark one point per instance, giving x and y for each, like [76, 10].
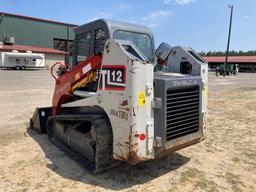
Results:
[37, 33]
[245, 63]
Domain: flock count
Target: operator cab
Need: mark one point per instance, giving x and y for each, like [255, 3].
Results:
[90, 38]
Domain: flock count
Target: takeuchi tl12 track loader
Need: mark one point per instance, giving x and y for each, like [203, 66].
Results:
[121, 100]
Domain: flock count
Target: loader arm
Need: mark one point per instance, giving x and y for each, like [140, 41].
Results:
[79, 76]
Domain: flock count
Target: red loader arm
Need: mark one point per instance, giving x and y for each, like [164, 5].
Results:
[80, 75]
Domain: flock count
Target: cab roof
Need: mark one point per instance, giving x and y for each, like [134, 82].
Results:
[113, 26]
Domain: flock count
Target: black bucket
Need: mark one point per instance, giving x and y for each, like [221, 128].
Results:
[39, 119]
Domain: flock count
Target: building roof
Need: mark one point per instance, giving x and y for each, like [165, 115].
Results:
[36, 19]
[231, 59]
[24, 48]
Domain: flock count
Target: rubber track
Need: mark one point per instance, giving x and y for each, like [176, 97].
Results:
[104, 145]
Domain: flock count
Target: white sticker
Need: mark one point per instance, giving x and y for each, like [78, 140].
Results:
[43, 113]
[87, 68]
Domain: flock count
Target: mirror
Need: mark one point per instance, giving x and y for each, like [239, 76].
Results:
[163, 51]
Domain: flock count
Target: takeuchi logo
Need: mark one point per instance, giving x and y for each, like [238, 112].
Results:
[184, 82]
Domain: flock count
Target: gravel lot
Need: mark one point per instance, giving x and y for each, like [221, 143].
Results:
[225, 161]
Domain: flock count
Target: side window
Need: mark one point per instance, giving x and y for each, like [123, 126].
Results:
[141, 40]
[99, 40]
[82, 47]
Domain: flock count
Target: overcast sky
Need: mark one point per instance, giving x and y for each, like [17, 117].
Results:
[201, 24]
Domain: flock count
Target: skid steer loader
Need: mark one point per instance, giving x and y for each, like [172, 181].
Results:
[120, 100]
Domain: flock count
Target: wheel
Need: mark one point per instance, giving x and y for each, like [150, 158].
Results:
[17, 67]
[23, 67]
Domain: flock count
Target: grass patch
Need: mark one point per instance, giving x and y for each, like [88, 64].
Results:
[191, 173]
[234, 181]
[200, 179]
[235, 159]
[207, 185]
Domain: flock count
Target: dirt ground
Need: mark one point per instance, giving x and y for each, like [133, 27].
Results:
[225, 161]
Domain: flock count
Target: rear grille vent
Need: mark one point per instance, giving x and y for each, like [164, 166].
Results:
[182, 112]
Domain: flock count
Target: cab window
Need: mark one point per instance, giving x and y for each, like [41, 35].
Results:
[83, 46]
[141, 40]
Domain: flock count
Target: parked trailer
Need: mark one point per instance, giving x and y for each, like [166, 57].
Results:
[16, 60]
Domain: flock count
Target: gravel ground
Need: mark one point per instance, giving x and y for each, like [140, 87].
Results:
[225, 161]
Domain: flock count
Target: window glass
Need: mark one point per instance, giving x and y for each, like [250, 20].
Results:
[197, 57]
[141, 40]
[83, 46]
[99, 41]
[99, 33]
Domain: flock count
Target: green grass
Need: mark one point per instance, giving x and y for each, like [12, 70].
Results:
[200, 178]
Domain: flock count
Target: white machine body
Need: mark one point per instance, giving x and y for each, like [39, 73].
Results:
[127, 94]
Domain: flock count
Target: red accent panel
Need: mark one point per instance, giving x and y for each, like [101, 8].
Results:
[231, 59]
[115, 67]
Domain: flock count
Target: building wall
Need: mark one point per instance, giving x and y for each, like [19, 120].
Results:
[51, 59]
[1, 58]
[33, 32]
[243, 67]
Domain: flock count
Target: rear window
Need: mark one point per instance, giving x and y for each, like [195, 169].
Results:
[141, 40]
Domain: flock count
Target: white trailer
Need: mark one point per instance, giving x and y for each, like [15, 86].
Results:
[17, 60]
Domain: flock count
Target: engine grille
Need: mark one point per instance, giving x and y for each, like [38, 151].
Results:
[182, 112]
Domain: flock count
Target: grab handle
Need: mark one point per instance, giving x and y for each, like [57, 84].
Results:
[57, 63]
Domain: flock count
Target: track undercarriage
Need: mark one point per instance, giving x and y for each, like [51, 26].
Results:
[86, 137]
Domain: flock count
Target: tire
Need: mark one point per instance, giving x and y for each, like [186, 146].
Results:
[23, 68]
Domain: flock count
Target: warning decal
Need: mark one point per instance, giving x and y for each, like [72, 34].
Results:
[142, 98]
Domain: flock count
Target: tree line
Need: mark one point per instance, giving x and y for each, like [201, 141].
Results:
[231, 53]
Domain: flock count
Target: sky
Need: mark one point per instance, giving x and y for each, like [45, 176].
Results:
[200, 24]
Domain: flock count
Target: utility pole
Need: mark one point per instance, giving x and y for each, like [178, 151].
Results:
[229, 34]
